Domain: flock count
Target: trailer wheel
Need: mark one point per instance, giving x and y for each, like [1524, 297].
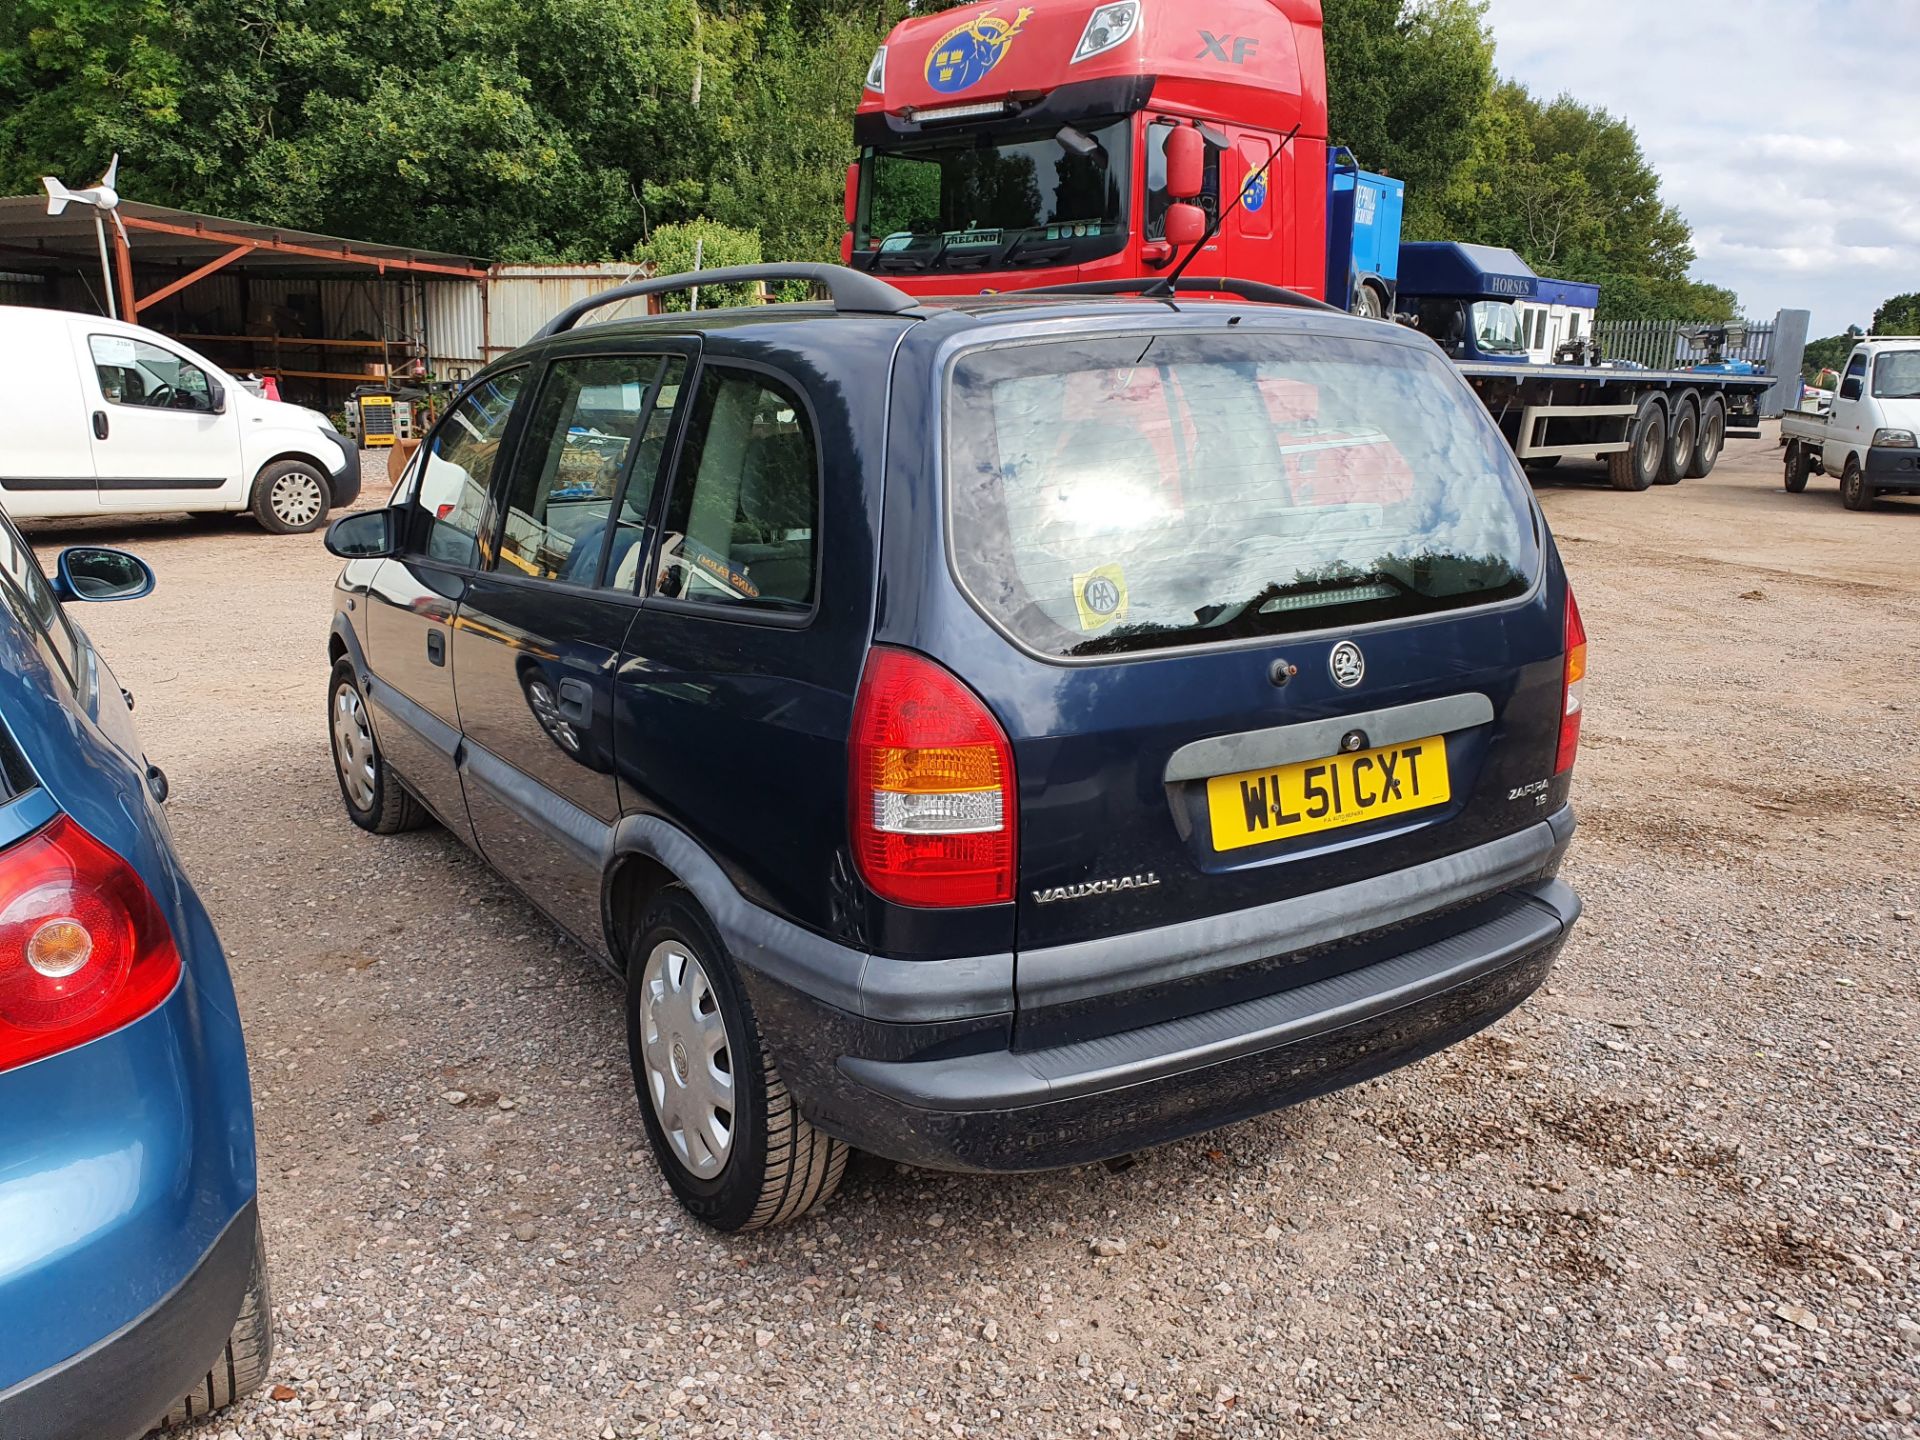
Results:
[1713, 435]
[1682, 435]
[1799, 467]
[1639, 465]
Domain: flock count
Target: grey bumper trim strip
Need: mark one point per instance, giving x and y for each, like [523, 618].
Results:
[1091, 968]
[1313, 739]
[1526, 922]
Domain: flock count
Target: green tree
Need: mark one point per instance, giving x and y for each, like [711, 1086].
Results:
[1828, 353]
[672, 249]
[1898, 316]
[1407, 83]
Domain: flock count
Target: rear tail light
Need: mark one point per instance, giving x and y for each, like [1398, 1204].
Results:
[932, 798]
[1570, 687]
[83, 947]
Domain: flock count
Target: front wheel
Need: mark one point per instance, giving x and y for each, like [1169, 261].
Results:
[1367, 303]
[375, 799]
[731, 1142]
[1855, 493]
[290, 497]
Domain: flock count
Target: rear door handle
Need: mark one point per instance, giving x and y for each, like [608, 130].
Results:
[99, 424]
[576, 701]
[437, 646]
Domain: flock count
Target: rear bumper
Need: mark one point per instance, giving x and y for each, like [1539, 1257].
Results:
[117, 1388]
[1403, 967]
[1038, 1109]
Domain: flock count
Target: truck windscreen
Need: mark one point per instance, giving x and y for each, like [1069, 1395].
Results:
[972, 201]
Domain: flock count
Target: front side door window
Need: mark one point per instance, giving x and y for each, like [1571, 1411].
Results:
[133, 372]
[457, 469]
[570, 505]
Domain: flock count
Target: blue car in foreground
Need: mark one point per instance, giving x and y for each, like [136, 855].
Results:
[132, 1284]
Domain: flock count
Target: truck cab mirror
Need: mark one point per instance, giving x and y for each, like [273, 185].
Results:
[1850, 388]
[1185, 224]
[852, 199]
[1186, 166]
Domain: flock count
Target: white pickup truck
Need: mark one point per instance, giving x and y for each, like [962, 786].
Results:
[1869, 435]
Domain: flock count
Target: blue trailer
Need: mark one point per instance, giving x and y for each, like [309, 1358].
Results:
[1363, 236]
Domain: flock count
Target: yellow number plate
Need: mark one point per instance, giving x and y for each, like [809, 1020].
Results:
[1256, 806]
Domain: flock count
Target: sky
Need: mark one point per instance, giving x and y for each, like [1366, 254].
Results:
[1780, 130]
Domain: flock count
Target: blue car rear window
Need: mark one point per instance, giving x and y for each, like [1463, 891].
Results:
[1145, 491]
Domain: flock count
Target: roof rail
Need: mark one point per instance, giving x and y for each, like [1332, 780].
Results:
[853, 292]
[1224, 284]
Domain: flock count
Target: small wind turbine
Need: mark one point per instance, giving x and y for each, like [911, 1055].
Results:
[105, 201]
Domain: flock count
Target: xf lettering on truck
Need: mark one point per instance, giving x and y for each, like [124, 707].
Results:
[1227, 49]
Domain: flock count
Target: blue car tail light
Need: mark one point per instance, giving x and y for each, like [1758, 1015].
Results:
[84, 947]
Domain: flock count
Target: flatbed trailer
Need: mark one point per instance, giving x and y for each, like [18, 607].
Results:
[1652, 427]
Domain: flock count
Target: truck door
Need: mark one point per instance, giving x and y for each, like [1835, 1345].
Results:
[1846, 420]
[1250, 235]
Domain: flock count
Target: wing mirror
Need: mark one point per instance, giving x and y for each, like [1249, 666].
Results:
[1186, 162]
[92, 572]
[216, 396]
[1185, 224]
[370, 535]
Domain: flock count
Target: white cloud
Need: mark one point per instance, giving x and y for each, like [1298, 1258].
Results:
[1777, 129]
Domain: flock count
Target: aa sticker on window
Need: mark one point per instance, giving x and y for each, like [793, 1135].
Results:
[1100, 595]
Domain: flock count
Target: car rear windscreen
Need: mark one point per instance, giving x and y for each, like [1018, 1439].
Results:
[1116, 494]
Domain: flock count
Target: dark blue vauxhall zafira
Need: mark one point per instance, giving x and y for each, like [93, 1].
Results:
[993, 734]
[132, 1283]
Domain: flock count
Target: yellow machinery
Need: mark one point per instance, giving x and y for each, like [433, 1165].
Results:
[376, 420]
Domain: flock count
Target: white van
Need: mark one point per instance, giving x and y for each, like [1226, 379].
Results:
[1869, 433]
[98, 417]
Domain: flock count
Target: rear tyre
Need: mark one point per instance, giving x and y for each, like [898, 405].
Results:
[376, 801]
[1541, 462]
[731, 1143]
[291, 497]
[1682, 435]
[242, 1365]
[1799, 466]
[1713, 436]
[1639, 465]
[1855, 493]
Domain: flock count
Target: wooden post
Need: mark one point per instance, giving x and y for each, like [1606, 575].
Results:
[123, 272]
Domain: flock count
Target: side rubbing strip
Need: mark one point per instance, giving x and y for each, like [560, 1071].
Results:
[1315, 739]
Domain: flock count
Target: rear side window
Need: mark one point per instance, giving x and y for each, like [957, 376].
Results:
[1129, 494]
[458, 467]
[740, 518]
[37, 608]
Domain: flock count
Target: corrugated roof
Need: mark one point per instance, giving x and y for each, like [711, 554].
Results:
[31, 239]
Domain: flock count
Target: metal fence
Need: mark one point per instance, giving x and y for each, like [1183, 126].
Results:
[1659, 344]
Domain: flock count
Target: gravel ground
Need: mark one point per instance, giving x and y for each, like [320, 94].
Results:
[1674, 1194]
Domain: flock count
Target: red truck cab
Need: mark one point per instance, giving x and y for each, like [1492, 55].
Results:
[1012, 146]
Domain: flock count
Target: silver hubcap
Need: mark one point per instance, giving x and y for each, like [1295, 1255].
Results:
[689, 1067]
[1650, 449]
[353, 746]
[296, 498]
